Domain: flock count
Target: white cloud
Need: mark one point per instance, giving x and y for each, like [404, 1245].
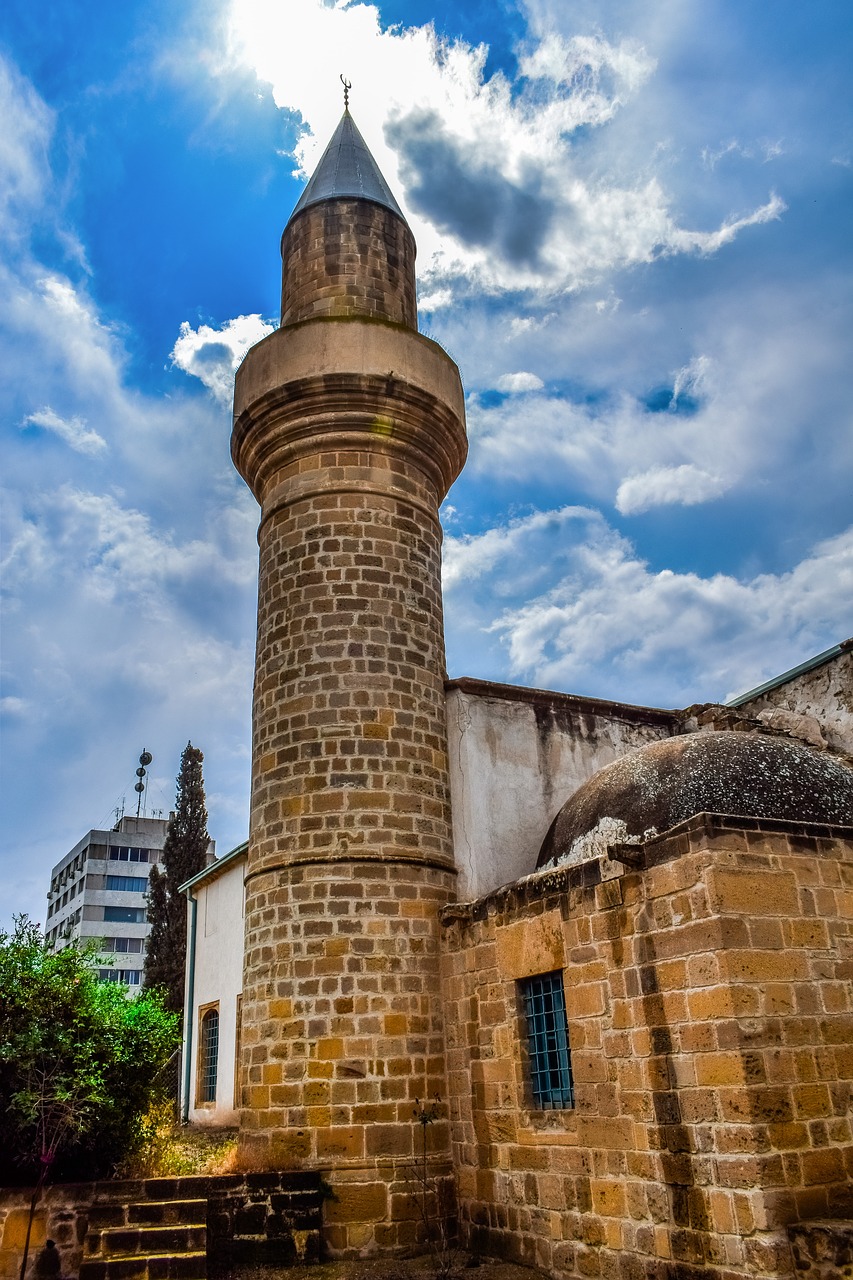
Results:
[710, 241]
[119, 632]
[212, 355]
[496, 192]
[691, 380]
[73, 431]
[472, 556]
[24, 140]
[767, 150]
[113, 552]
[661, 486]
[518, 382]
[741, 412]
[436, 300]
[128, 609]
[581, 62]
[66, 353]
[12, 706]
[605, 623]
[712, 157]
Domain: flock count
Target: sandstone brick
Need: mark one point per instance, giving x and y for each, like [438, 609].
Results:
[763, 966]
[585, 1001]
[360, 1202]
[15, 1229]
[608, 1198]
[753, 894]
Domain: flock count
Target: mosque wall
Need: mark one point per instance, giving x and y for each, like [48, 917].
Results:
[816, 705]
[708, 1002]
[516, 755]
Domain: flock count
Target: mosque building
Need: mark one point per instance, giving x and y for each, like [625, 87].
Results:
[602, 952]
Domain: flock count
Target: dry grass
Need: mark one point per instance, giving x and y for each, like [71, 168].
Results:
[168, 1149]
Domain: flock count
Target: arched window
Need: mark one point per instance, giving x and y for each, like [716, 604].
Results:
[208, 1055]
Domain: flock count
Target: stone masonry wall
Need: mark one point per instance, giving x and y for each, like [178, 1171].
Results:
[350, 854]
[823, 697]
[348, 258]
[349, 732]
[709, 1011]
[346, 1034]
[253, 1218]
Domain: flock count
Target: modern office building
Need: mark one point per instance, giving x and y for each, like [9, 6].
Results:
[98, 891]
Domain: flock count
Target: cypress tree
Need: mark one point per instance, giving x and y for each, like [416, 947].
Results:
[184, 854]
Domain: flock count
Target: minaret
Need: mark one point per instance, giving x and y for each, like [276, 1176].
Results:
[349, 429]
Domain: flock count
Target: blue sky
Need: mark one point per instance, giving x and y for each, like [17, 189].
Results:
[634, 236]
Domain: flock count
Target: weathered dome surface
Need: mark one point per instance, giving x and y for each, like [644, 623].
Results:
[737, 773]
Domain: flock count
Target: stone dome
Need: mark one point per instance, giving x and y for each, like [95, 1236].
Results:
[737, 773]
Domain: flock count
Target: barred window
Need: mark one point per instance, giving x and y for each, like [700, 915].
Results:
[548, 1041]
[208, 1055]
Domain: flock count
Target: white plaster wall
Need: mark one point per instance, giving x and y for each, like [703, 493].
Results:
[825, 694]
[219, 979]
[516, 756]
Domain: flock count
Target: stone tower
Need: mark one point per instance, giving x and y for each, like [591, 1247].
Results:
[349, 429]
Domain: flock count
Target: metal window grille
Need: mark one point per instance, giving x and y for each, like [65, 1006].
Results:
[548, 1041]
[209, 1055]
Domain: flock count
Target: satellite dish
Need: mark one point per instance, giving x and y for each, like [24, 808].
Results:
[146, 757]
[140, 773]
[140, 787]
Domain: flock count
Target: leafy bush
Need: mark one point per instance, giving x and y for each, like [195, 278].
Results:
[79, 1061]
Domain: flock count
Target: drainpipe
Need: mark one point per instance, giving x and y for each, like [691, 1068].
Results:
[188, 1008]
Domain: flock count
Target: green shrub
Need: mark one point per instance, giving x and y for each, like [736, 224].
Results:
[80, 1063]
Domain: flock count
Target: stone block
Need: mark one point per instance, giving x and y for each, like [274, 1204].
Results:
[753, 893]
[358, 1202]
[608, 1198]
[15, 1229]
[822, 1250]
[531, 946]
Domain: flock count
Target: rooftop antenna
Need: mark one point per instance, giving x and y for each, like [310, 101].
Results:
[347, 86]
[144, 759]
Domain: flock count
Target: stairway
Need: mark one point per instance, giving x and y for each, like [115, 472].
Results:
[147, 1240]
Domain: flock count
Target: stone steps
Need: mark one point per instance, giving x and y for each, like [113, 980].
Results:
[146, 1240]
[189, 1213]
[147, 1266]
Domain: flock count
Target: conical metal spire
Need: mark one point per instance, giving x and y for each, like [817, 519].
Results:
[347, 169]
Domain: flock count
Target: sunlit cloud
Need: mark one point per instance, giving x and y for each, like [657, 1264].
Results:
[486, 167]
[515, 383]
[662, 486]
[607, 623]
[73, 431]
[212, 355]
